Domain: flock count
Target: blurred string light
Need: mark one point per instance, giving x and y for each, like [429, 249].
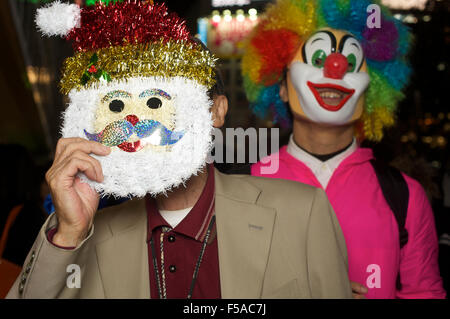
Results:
[227, 16]
[426, 18]
[229, 3]
[253, 13]
[240, 15]
[410, 19]
[224, 31]
[216, 16]
[406, 4]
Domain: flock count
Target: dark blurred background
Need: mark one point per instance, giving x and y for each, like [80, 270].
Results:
[30, 66]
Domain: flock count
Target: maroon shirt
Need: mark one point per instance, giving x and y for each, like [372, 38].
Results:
[182, 246]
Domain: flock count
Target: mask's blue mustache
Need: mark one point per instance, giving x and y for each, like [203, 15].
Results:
[120, 131]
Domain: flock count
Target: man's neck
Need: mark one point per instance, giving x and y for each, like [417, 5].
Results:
[321, 139]
[184, 196]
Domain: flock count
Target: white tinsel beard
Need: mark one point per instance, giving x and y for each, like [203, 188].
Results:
[147, 171]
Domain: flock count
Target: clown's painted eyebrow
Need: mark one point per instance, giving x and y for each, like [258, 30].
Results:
[116, 93]
[155, 92]
[332, 38]
[318, 39]
[344, 40]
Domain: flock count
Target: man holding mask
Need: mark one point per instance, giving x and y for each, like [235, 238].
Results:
[139, 124]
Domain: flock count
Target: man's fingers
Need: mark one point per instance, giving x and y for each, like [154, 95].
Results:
[358, 288]
[62, 143]
[95, 163]
[66, 147]
[75, 165]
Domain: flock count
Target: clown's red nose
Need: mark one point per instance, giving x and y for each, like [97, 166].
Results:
[336, 65]
[133, 119]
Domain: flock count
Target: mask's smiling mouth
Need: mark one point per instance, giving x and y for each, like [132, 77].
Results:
[331, 97]
[130, 146]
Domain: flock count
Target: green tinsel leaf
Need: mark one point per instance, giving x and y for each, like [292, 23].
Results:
[107, 2]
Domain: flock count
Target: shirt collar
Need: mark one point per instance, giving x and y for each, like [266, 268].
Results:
[316, 165]
[196, 223]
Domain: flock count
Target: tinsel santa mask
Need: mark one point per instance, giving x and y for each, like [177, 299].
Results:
[143, 91]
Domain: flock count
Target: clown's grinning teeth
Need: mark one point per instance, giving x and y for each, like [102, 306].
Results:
[331, 96]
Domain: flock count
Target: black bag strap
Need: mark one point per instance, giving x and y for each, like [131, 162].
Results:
[396, 193]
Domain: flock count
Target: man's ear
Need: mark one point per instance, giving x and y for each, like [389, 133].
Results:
[284, 91]
[219, 110]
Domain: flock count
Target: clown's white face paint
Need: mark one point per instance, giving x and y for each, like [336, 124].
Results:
[354, 84]
[152, 169]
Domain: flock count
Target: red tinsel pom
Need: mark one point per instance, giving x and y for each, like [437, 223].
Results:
[127, 22]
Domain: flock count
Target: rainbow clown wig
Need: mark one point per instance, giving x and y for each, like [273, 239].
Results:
[286, 24]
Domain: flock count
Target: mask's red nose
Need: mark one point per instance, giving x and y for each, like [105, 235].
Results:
[336, 66]
[133, 119]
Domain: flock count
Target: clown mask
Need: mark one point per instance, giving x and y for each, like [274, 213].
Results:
[327, 78]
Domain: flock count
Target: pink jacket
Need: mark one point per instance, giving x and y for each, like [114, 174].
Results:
[370, 228]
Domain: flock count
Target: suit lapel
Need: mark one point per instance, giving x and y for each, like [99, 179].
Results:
[123, 257]
[244, 234]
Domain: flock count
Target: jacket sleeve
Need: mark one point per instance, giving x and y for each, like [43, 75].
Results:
[326, 252]
[48, 269]
[419, 268]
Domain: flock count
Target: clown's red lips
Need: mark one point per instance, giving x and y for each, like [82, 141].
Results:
[331, 97]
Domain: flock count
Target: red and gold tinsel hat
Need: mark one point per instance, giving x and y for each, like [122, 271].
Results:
[122, 40]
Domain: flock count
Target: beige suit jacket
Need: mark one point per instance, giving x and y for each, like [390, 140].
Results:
[276, 239]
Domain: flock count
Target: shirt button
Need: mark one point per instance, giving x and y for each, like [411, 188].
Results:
[172, 268]
[21, 288]
[171, 238]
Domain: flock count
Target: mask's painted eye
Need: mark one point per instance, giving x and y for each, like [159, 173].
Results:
[154, 103]
[316, 49]
[318, 58]
[352, 49]
[351, 62]
[116, 106]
